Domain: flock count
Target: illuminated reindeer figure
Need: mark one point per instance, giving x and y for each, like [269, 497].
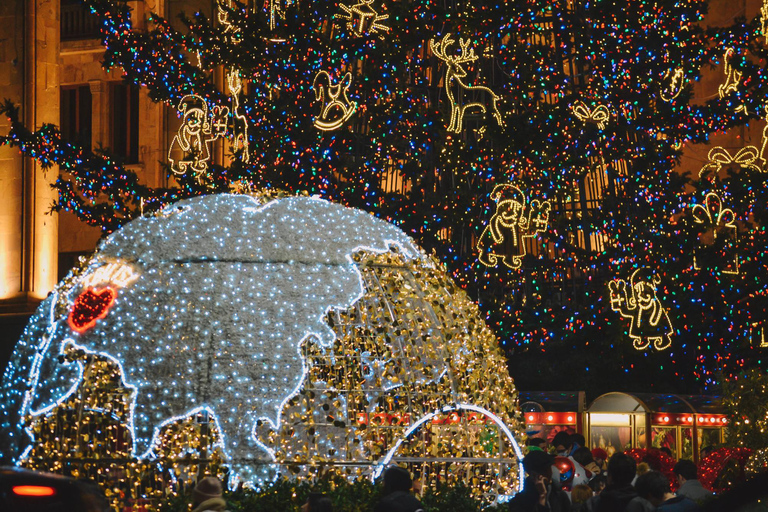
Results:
[455, 88]
[240, 122]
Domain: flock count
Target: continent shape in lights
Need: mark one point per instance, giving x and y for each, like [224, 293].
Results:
[650, 322]
[222, 305]
[89, 307]
[228, 261]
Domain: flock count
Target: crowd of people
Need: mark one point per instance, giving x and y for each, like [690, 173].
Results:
[396, 496]
[595, 483]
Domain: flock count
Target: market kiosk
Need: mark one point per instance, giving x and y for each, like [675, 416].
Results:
[619, 421]
[548, 412]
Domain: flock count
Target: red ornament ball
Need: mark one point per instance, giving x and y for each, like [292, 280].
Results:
[567, 471]
[723, 468]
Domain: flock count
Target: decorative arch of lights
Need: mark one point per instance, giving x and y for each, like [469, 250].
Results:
[390, 456]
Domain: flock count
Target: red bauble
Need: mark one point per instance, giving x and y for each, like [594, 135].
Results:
[723, 468]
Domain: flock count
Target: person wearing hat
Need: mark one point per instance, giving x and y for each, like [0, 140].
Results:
[397, 492]
[539, 494]
[207, 496]
[600, 457]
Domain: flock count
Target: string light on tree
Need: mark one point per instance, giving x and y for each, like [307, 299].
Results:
[764, 20]
[746, 158]
[732, 78]
[672, 84]
[362, 18]
[224, 8]
[240, 121]
[190, 148]
[617, 195]
[277, 11]
[600, 115]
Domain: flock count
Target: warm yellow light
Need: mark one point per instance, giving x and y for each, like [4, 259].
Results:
[598, 115]
[454, 72]
[336, 108]
[512, 222]
[362, 18]
[643, 307]
[609, 419]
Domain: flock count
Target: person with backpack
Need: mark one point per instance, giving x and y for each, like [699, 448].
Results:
[397, 492]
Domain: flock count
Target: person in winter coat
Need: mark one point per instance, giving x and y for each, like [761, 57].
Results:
[397, 495]
[654, 487]
[579, 496]
[207, 496]
[539, 494]
[584, 457]
[690, 487]
[619, 491]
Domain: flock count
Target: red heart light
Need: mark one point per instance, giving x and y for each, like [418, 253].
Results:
[90, 306]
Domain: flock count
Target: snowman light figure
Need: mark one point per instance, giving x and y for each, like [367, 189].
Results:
[650, 322]
[503, 237]
[190, 149]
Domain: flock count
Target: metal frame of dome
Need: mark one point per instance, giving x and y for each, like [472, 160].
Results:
[410, 348]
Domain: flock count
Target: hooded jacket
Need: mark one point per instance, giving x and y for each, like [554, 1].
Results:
[212, 504]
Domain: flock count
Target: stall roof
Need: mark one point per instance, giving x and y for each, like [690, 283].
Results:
[551, 401]
[704, 404]
[653, 403]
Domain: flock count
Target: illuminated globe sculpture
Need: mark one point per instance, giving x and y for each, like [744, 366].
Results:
[288, 335]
